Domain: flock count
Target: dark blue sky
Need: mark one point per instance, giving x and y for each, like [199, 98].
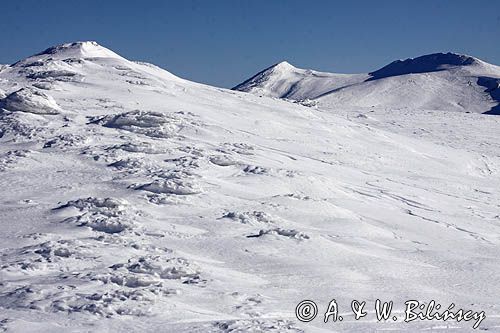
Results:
[223, 42]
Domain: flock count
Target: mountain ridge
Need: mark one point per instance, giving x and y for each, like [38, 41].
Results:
[425, 64]
[450, 73]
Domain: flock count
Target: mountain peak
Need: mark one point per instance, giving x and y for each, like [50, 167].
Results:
[85, 49]
[426, 63]
[283, 65]
[75, 50]
[278, 69]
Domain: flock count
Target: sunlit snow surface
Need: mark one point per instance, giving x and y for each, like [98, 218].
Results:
[144, 202]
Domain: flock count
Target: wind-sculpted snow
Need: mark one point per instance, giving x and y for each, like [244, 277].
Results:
[151, 203]
[222, 160]
[254, 218]
[112, 289]
[179, 186]
[22, 126]
[152, 124]
[103, 215]
[141, 147]
[290, 233]
[161, 268]
[30, 100]
[11, 157]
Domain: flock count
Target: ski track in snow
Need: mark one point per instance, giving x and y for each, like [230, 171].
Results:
[135, 200]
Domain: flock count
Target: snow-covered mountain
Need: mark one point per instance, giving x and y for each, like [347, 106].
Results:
[135, 200]
[286, 81]
[438, 81]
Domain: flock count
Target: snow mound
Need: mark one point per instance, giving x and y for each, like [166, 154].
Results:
[149, 123]
[256, 170]
[48, 255]
[150, 271]
[163, 268]
[289, 233]
[107, 303]
[110, 204]
[222, 160]
[141, 147]
[251, 218]
[107, 215]
[131, 164]
[30, 100]
[172, 186]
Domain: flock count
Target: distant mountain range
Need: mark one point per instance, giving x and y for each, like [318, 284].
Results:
[440, 81]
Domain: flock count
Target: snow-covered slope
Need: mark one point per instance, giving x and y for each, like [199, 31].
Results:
[438, 81]
[145, 202]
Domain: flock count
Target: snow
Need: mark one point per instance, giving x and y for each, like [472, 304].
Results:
[424, 64]
[30, 100]
[286, 81]
[77, 50]
[179, 207]
[440, 81]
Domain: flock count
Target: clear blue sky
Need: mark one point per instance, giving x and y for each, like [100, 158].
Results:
[223, 42]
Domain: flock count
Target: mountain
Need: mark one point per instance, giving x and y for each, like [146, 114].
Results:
[428, 63]
[134, 200]
[440, 81]
[283, 80]
[77, 50]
